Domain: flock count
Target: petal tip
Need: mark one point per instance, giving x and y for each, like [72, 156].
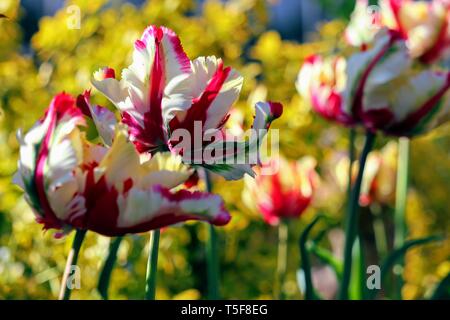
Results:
[222, 219]
[276, 109]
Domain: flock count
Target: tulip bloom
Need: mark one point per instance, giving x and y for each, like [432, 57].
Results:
[363, 25]
[378, 184]
[321, 82]
[163, 94]
[285, 194]
[425, 25]
[152, 88]
[385, 92]
[72, 183]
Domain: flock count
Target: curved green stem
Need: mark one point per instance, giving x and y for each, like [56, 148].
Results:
[105, 275]
[326, 257]
[72, 258]
[305, 262]
[152, 265]
[283, 233]
[351, 229]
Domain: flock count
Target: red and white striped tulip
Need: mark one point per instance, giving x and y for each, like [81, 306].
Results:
[152, 88]
[163, 91]
[363, 25]
[385, 92]
[321, 82]
[72, 183]
[380, 173]
[425, 25]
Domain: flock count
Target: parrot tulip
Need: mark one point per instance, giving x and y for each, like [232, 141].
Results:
[112, 190]
[378, 184]
[164, 96]
[425, 25]
[321, 82]
[385, 92]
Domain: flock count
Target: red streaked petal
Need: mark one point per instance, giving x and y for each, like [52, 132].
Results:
[407, 125]
[105, 73]
[62, 108]
[357, 102]
[175, 55]
[165, 208]
[199, 109]
[161, 87]
[441, 44]
[104, 120]
[109, 73]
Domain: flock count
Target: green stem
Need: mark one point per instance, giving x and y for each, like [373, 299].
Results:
[72, 258]
[401, 192]
[152, 265]
[212, 264]
[212, 260]
[105, 275]
[283, 232]
[351, 229]
[400, 205]
[351, 157]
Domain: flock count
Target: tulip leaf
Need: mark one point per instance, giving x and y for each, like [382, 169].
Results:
[327, 257]
[397, 254]
[305, 262]
[331, 224]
